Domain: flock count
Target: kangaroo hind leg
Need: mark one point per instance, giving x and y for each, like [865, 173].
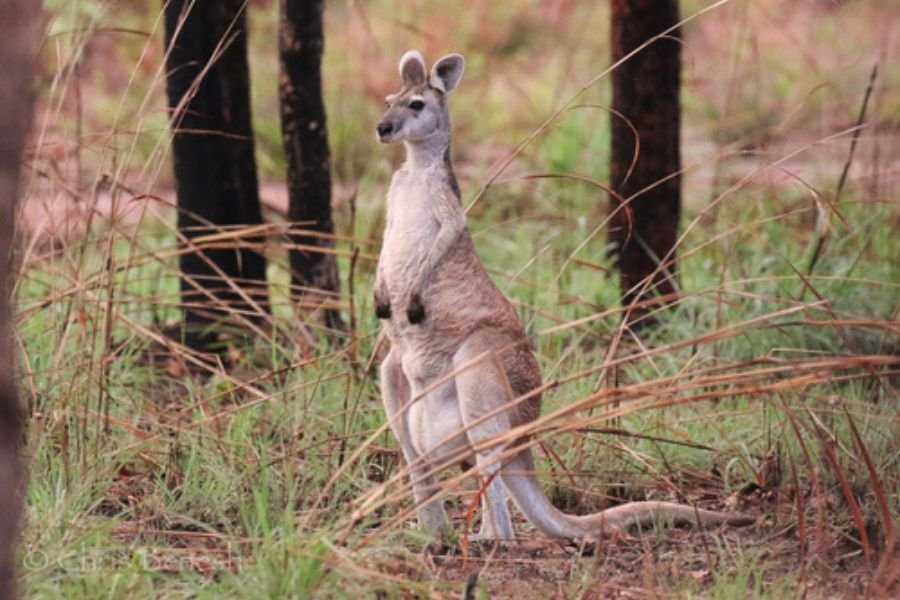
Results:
[396, 395]
[482, 389]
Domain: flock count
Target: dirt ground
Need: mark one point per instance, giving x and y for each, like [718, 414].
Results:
[765, 559]
[758, 560]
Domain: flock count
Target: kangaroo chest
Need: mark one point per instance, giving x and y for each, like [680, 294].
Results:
[410, 232]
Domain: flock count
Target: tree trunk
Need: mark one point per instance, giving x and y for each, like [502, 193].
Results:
[313, 269]
[646, 91]
[208, 85]
[17, 45]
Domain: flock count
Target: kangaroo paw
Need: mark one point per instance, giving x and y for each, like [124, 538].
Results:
[415, 312]
[383, 311]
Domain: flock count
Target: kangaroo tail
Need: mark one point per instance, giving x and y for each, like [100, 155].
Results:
[519, 480]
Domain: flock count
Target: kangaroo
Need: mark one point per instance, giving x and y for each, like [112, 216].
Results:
[459, 353]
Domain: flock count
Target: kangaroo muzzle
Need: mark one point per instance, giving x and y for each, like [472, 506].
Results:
[385, 131]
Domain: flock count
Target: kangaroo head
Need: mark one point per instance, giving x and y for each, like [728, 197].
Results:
[418, 111]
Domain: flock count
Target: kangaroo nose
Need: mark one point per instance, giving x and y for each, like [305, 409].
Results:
[384, 128]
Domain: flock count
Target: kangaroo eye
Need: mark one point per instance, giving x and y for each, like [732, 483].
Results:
[417, 105]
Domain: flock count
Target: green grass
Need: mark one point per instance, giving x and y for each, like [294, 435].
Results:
[264, 479]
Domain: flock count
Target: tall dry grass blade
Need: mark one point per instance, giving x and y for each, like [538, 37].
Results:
[877, 488]
[820, 535]
[823, 232]
[839, 474]
[801, 514]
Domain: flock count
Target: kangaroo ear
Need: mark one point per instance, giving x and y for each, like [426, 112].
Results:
[446, 73]
[412, 68]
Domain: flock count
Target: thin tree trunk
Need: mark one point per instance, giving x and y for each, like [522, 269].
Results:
[208, 84]
[17, 44]
[646, 91]
[305, 137]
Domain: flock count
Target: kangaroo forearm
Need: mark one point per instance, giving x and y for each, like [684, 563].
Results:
[444, 240]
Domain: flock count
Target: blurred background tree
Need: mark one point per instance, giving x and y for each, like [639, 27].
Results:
[223, 276]
[17, 45]
[646, 121]
[314, 272]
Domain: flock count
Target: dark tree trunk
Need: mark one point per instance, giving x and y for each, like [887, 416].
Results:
[208, 84]
[17, 38]
[313, 267]
[646, 91]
